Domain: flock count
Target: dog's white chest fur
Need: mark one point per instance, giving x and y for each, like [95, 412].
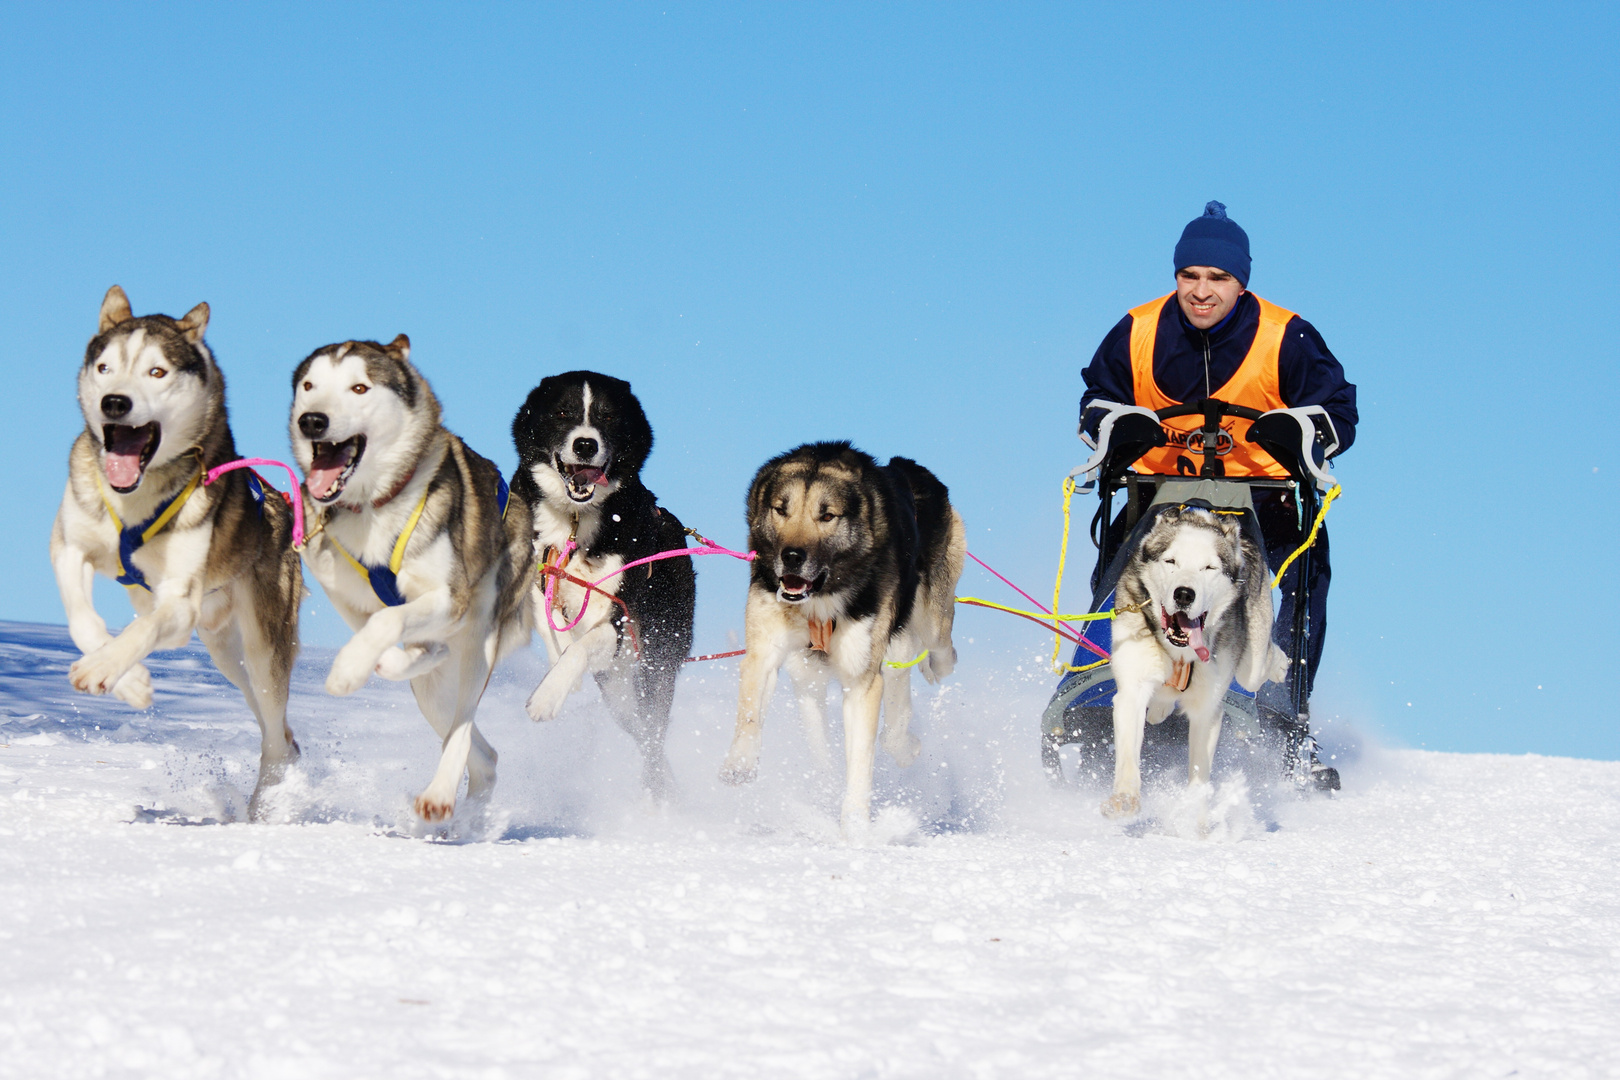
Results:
[552, 535]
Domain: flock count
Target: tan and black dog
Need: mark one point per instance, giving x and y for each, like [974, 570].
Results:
[856, 576]
[216, 559]
[417, 544]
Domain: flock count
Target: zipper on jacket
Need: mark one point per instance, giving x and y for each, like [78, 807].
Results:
[1207, 390]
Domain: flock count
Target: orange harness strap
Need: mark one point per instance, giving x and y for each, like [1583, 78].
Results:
[821, 632]
[548, 569]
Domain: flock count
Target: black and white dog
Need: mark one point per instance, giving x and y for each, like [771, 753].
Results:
[582, 439]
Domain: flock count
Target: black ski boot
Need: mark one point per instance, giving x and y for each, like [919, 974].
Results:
[1319, 776]
[1300, 751]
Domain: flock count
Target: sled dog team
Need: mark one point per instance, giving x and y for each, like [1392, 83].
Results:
[441, 567]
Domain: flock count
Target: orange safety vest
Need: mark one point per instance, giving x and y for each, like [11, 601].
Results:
[1254, 384]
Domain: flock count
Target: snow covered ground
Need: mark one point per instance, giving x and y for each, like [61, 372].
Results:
[1447, 915]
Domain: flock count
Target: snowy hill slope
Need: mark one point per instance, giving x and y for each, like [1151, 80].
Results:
[1448, 915]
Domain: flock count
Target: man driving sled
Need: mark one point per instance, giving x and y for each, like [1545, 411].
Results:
[1212, 338]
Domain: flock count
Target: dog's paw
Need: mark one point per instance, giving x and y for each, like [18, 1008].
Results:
[350, 670]
[134, 687]
[738, 769]
[431, 807]
[938, 663]
[547, 701]
[855, 824]
[260, 807]
[1277, 669]
[100, 671]
[904, 751]
[400, 663]
[1120, 805]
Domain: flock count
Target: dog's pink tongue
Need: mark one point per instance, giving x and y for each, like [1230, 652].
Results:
[1195, 635]
[122, 460]
[587, 477]
[325, 469]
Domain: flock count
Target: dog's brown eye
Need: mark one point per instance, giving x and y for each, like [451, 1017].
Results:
[828, 515]
[308, 385]
[781, 509]
[359, 388]
[157, 373]
[103, 368]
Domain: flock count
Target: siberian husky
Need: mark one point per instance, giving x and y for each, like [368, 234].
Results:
[1195, 613]
[856, 576]
[216, 559]
[582, 439]
[417, 544]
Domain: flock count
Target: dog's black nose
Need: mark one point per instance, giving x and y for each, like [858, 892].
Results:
[313, 424]
[585, 449]
[116, 406]
[1185, 596]
[793, 558]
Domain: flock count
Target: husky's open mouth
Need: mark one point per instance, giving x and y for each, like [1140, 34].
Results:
[126, 451]
[795, 588]
[1183, 632]
[582, 479]
[332, 466]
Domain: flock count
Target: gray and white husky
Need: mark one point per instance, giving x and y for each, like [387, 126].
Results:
[215, 559]
[1195, 613]
[417, 544]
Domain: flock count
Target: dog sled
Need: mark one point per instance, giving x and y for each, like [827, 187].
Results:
[1080, 711]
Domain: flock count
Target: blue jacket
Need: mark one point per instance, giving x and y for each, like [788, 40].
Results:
[1307, 372]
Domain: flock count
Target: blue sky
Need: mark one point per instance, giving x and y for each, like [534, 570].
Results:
[906, 225]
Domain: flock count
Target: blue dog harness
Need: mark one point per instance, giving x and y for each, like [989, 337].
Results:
[385, 579]
[133, 537]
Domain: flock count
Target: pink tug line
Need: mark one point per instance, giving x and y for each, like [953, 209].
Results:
[295, 500]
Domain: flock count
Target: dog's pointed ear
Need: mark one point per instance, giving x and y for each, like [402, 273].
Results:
[1256, 668]
[114, 309]
[195, 323]
[399, 348]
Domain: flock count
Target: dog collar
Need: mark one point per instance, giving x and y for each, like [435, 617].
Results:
[378, 504]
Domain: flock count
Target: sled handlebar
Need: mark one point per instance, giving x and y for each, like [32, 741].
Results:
[1300, 438]
[1209, 408]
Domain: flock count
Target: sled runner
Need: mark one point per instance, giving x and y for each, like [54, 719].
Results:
[1299, 441]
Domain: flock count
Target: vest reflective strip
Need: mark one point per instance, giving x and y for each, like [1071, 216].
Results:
[1254, 384]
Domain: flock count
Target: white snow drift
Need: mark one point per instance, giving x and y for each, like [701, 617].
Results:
[1447, 915]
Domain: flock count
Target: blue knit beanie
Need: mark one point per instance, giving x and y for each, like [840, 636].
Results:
[1215, 240]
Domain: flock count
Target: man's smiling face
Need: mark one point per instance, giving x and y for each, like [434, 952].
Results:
[1206, 294]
